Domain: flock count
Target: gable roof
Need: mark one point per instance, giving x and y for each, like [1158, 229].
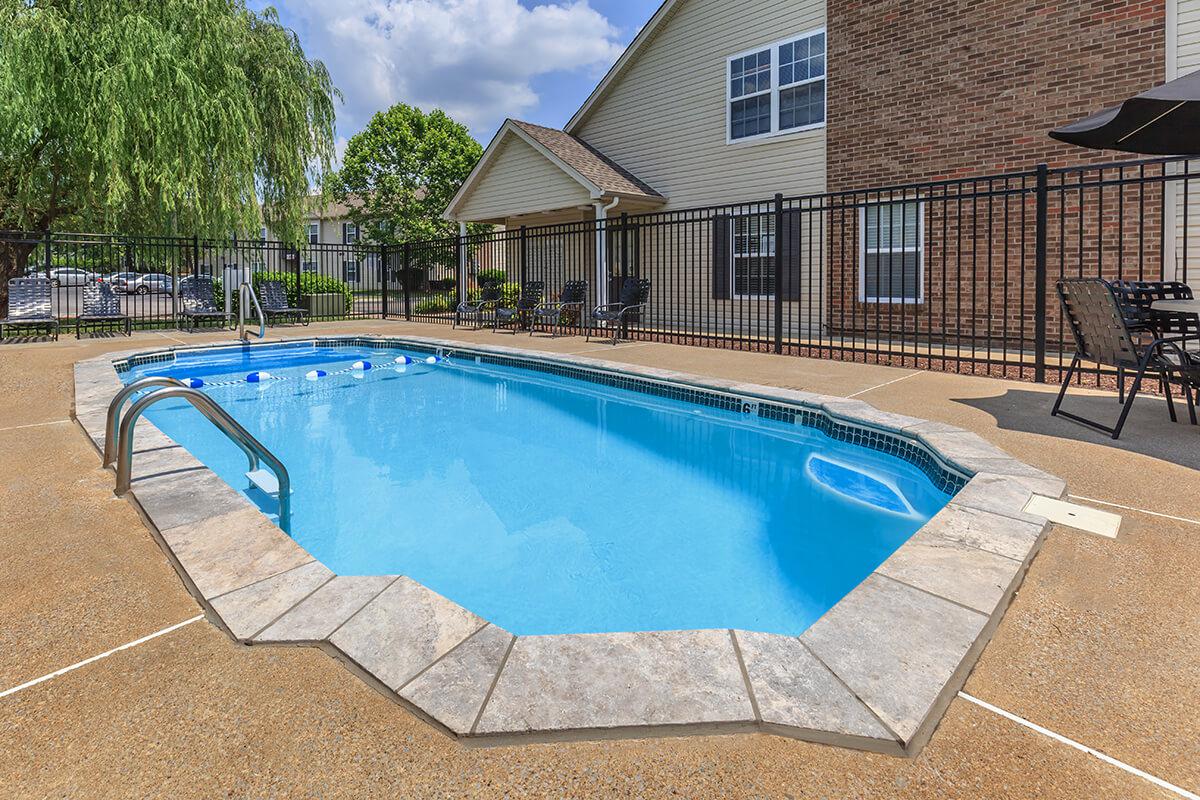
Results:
[608, 175]
[597, 173]
[644, 35]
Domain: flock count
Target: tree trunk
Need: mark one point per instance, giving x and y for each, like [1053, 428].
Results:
[14, 258]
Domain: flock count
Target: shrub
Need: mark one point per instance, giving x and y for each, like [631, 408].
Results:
[491, 276]
[438, 304]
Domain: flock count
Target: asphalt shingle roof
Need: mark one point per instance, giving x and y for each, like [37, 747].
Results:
[601, 170]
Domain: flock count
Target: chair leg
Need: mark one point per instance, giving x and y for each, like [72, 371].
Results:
[1120, 385]
[1067, 382]
[1137, 384]
[1166, 386]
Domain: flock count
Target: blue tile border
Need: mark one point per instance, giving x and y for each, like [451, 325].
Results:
[893, 443]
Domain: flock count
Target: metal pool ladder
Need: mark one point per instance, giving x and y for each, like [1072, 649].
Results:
[248, 297]
[121, 449]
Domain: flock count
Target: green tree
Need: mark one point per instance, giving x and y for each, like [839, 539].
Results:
[171, 117]
[400, 172]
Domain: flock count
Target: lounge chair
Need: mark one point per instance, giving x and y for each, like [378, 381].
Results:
[490, 293]
[29, 305]
[635, 295]
[531, 297]
[1102, 335]
[102, 307]
[551, 315]
[196, 297]
[274, 302]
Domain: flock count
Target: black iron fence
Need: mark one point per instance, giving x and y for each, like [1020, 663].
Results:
[947, 275]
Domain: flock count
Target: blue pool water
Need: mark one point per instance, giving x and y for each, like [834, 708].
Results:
[551, 505]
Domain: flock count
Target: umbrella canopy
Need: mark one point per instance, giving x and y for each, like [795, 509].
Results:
[1162, 121]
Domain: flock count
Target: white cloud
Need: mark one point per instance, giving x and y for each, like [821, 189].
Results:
[474, 59]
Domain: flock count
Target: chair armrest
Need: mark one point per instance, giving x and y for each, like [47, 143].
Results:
[606, 307]
[637, 307]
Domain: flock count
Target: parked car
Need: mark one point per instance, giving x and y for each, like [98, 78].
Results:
[150, 282]
[119, 279]
[70, 276]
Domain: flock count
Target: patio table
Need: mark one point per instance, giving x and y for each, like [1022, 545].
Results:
[1176, 307]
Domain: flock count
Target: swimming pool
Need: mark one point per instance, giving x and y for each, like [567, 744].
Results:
[548, 504]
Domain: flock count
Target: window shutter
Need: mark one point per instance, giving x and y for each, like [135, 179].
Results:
[793, 248]
[722, 255]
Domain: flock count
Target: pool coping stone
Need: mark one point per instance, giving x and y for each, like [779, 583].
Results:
[875, 672]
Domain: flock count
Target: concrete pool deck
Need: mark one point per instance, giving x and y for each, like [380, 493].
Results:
[1100, 645]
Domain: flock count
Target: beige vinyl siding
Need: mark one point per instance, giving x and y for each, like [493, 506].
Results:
[1187, 60]
[520, 180]
[665, 118]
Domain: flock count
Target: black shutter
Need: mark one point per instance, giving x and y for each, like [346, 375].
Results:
[722, 256]
[793, 254]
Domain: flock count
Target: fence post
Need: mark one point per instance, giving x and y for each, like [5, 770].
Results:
[46, 260]
[1039, 297]
[195, 256]
[405, 277]
[779, 233]
[383, 277]
[524, 258]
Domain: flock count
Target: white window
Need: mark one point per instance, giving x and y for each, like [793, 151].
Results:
[753, 257]
[314, 233]
[262, 234]
[892, 250]
[777, 89]
[349, 233]
[350, 270]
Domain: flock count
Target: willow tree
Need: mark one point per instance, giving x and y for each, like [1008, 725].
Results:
[172, 117]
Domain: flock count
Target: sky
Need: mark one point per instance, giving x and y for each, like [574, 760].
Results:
[480, 61]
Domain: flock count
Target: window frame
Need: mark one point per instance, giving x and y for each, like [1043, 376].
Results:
[919, 250]
[347, 227]
[775, 89]
[769, 215]
[308, 231]
[346, 262]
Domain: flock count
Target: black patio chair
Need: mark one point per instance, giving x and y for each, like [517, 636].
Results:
[635, 295]
[273, 299]
[102, 309]
[1136, 299]
[530, 298]
[554, 315]
[479, 309]
[196, 299]
[29, 305]
[1102, 335]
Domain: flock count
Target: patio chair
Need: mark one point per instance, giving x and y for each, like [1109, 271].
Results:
[490, 293]
[274, 302]
[101, 308]
[530, 298]
[196, 298]
[1136, 299]
[29, 305]
[635, 295]
[552, 315]
[1102, 335]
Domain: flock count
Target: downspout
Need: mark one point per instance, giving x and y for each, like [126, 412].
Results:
[602, 249]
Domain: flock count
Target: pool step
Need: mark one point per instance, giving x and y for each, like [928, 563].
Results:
[265, 480]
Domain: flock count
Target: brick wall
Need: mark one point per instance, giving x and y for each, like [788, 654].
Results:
[925, 91]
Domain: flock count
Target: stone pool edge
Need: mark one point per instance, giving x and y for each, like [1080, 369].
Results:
[875, 672]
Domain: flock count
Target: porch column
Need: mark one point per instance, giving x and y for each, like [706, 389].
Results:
[462, 262]
[602, 249]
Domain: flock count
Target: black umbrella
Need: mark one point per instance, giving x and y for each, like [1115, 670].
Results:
[1163, 121]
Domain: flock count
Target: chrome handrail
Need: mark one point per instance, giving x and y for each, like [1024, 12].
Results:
[253, 448]
[246, 296]
[118, 402]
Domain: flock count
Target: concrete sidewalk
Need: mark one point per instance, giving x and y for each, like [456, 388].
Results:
[1101, 645]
